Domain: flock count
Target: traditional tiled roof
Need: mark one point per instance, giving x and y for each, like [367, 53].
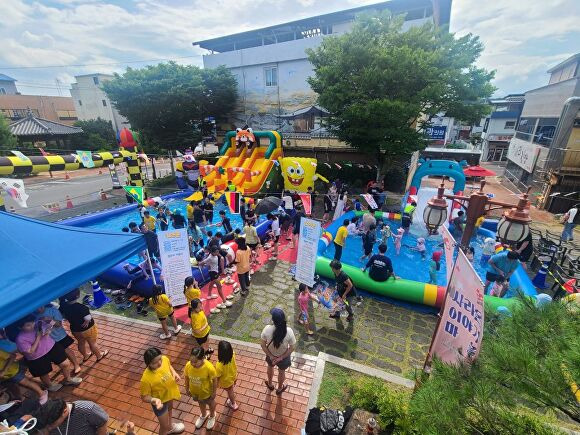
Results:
[33, 126]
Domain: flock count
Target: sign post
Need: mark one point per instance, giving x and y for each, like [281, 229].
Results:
[307, 251]
[114, 177]
[449, 246]
[176, 266]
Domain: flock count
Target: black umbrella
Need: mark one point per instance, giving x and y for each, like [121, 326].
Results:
[268, 205]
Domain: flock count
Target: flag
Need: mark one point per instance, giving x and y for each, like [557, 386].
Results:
[338, 166]
[459, 332]
[306, 203]
[136, 192]
[86, 158]
[14, 188]
[449, 245]
[233, 199]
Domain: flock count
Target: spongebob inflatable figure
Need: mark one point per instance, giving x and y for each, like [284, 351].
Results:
[299, 173]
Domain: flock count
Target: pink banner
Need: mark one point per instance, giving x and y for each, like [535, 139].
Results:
[370, 200]
[306, 203]
[460, 330]
[449, 244]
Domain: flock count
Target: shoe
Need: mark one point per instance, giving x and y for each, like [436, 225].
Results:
[210, 423]
[236, 290]
[214, 296]
[228, 297]
[244, 294]
[176, 331]
[164, 337]
[73, 381]
[177, 428]
[200, 421]
[221, 306]
[228, 304]
[214, 310]
[54, 387]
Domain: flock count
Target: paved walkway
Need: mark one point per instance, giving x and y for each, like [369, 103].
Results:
[114, 383]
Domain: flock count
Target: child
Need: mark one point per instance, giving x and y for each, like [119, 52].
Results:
[227, 371]
[499, 287]
[420, 247]
[385, 232]
[201, 383]
[215, 263]
[191, 291]
[488, 249]
[159, 388]
[275, 228]
[369, 238]
[470, 254]
[162, 306]
[434, 266]
[303, 297]
[243, 260]
[398, 239]
[199, 326]
[149, 220]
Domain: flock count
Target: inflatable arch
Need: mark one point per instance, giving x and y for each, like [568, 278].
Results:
[445, 168]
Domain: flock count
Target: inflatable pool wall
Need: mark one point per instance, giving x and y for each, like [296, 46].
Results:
[403, 289]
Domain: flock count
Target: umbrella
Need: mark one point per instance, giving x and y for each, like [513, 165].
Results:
[196, 196]
[478, 171]
[268, 205]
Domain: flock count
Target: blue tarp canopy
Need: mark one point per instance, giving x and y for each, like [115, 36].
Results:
[40, 261]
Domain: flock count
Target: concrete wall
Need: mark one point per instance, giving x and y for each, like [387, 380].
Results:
[88, 101]
[497, 126]
[43, 106]
[547, 101]
[9, 87]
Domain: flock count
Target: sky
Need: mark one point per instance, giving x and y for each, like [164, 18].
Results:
[46, 43]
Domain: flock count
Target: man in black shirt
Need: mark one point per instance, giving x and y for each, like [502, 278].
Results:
[327, 207]
[345, 289]
[178, 220]
[381, 267]
[226, 224]
[151, 241]
[162, 219]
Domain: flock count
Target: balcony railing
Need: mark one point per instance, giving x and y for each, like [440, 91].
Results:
[538, 139]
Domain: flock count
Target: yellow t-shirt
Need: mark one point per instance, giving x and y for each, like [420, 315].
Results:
[189, 210]
[150, 222]
[227, 373]
[341, 235]
[200, 379]
[160, 383]
[192, 293]
[197, 322]
[163, 307]
[12, 369]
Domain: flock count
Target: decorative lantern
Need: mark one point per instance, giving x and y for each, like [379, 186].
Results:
[514, 225]
[435, 213]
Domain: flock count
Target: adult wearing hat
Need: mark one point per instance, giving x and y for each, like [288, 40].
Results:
[278, 342]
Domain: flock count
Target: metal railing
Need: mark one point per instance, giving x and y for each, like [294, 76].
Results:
[538, 139]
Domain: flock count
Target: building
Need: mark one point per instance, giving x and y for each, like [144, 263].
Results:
[545, 149]
[500, 126]
[57, 109]
[49, 134]
[91, 102]
[272, 68]
[7, 85]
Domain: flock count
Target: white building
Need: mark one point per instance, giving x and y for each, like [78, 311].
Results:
[91, 102]
[271, 64]
[500, 126]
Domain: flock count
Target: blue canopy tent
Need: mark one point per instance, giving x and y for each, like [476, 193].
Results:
[40, 261]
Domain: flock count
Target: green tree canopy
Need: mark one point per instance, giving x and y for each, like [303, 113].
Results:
[98, 134]
[7, 140]
[379, 81]
[167, 103]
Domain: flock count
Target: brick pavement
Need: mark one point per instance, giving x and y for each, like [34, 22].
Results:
[114, 383]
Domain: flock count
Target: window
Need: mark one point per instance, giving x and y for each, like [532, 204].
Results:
[509, 125]
[95, 80]
[2, 91]
[104, 103]
[271, 76]
[80, 103]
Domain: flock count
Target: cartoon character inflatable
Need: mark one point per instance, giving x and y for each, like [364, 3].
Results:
[299, 173]
[187, 172]
[245, 138]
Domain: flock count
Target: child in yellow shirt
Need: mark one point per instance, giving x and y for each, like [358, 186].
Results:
[227, 371]
[201, 383]
[161, 304]
[191, 291]
[199, 325]
[159, 388]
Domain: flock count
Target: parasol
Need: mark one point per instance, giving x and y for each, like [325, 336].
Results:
[268, 205]
[478, 171]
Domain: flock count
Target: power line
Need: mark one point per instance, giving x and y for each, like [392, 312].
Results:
[94, 64]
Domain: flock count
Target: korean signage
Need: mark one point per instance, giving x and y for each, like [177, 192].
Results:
[460, 330]
[176, 266]
[307, 251]
[436, 132]
[499, 138]
[449, 246]
[523, 154]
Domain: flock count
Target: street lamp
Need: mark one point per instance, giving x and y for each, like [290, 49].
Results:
[512, 228]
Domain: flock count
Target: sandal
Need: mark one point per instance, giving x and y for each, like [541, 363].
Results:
[86, 358]
[281, 390]
[270, 386]
[103, 354]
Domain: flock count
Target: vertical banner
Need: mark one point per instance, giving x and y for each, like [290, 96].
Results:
[175, 263]
[306, 203]
[370, 200]
[86, 158]
[412, 169]
[114, 177]
[233, 199]
[449, 245]
[310, 231]
[460, 329]
[15, 188]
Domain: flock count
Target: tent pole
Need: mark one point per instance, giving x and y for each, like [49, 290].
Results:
[151, 268]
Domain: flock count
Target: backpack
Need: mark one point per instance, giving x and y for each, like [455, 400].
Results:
[322, 421]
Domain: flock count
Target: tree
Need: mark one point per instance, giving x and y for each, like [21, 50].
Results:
[7, 140]
[98, 134]
[380, 82]
[167, 103]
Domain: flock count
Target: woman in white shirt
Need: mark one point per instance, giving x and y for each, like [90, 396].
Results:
[278, 342]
